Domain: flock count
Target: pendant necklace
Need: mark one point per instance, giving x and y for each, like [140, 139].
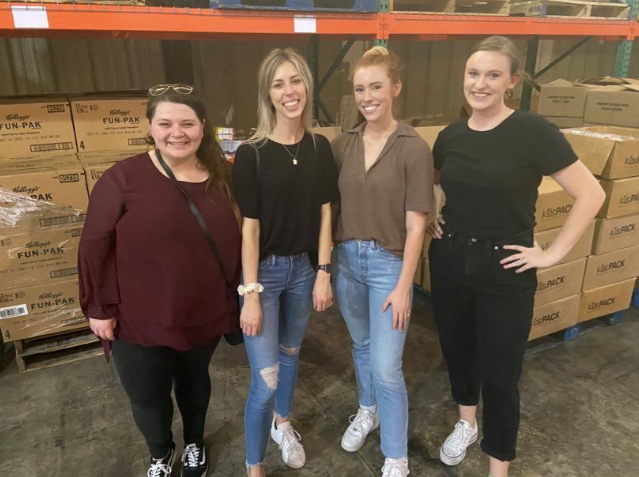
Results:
[294, 157]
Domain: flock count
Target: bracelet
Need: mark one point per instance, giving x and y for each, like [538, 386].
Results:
[250, 288]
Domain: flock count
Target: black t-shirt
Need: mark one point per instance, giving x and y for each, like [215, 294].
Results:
[490, 178]
[286, 198]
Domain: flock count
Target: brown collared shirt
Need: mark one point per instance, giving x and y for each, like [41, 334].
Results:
[374, 202]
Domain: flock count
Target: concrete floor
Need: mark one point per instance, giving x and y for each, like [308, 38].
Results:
[579, 411]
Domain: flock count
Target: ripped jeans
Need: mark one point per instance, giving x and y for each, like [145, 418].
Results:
[286, 303]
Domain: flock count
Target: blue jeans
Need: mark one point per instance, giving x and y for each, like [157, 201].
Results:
[286, 304]
[366, 274]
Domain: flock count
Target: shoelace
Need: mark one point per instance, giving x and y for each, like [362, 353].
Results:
[159, 469]
[459, 436]
[394, 469]
[291, 440]
[359, 421]
[191, 456]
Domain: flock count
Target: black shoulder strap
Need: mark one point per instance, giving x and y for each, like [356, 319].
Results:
[257, 157]
[198, 217]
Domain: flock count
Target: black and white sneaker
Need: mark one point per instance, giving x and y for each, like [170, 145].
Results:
[196, 462]
[162, 467]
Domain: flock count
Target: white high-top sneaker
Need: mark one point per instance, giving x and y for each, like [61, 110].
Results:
[362, 423]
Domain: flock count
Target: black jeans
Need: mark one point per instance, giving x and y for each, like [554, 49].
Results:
[483, 314]
[149, 373]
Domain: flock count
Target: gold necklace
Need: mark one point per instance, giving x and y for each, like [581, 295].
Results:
[294, 157]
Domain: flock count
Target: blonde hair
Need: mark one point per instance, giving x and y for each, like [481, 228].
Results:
[266, 119]
[503, 45]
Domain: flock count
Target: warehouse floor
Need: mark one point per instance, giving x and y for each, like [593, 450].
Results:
[579, 411]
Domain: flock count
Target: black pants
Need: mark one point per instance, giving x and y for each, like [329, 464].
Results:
[483, 314]
[149, 373]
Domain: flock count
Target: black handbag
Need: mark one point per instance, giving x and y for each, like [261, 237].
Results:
[235, 337]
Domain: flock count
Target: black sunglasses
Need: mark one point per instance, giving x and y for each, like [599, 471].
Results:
[163, 88]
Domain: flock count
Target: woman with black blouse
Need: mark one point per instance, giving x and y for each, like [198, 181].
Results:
[284, 180]
[149, 282]
[483, 263]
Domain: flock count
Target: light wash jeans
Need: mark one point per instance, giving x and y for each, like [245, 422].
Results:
[286, 303]
[366, 274]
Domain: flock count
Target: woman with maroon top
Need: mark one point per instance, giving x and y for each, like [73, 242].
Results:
[149, 283]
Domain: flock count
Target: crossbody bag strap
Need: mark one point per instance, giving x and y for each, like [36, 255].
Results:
[198, 217]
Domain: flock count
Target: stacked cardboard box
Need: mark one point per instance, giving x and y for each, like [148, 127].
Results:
[43, 199]
[612, 154]
[563, 103]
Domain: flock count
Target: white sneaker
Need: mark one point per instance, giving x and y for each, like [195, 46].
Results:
[288, 439]
[453, 449]
[395, 467]
[362, 424]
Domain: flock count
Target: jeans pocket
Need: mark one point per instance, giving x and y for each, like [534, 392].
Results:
[265, 264]
[387, 255]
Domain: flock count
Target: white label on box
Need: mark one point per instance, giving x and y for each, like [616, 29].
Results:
[29, 17]
[13, 311]
[304, 24]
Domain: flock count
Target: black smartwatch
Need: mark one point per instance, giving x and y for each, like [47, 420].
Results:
[326, 268]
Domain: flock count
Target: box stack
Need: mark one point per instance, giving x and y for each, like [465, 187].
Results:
[44, 182]
[612, 154]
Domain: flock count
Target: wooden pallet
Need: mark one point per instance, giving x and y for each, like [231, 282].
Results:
[49, 351]
[570, 8]
[475, 7]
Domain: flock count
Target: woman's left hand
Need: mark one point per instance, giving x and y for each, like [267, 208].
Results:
[527, 258]
[322, 291]
[399, 301]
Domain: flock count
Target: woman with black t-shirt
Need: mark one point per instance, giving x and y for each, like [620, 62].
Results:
[284, 181]
[483, 265]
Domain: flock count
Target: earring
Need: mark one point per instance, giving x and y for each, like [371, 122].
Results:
[508, 94]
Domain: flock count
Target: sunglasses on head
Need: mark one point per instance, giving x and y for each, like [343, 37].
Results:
[163, 88]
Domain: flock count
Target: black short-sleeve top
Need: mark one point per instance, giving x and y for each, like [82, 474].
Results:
[490, 178]
[286, 197]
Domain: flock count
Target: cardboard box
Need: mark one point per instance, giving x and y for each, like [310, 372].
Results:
[61, 182]
[553, 205]
[108, 156]
[622, 198]
[429, 133]
[613, 105]
[611, 267]
[39, 258]
[93, 171]
[19, 214]
[419, 273]
[329, 133]
[426, 278]
[36, 126]
[581, 249]
[110, 123]
[559, 282]
[563, 98]
[608, 152]
[554, 316]
[615, 234]
[41, 310]
[564, 123]
[427, 240]
[605, 300]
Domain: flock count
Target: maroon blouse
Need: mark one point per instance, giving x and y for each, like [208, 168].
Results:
[144, 260]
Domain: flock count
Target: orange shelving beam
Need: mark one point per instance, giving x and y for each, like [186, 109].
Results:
[397, 25]
[122, 21]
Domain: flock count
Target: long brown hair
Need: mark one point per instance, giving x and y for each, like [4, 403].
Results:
[209, 153]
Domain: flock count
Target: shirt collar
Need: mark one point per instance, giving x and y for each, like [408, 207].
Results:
[403, 129]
